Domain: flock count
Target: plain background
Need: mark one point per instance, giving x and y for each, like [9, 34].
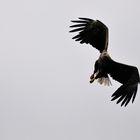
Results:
[44, 75]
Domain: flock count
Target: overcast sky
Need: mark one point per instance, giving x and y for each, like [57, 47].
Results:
[44, 75]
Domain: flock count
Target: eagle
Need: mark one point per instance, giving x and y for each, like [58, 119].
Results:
[96, 33]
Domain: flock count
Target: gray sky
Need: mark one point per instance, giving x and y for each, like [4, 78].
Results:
[44, 75]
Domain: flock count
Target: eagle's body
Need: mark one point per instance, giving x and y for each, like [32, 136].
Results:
[101, 69]
[96, 34]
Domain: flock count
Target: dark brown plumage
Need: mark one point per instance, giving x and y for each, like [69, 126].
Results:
[91, 31]
[95, 33]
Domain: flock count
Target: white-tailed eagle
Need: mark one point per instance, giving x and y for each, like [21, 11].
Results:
[95, 33]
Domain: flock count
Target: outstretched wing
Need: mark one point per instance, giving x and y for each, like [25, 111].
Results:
[129, 77]
[91, 31]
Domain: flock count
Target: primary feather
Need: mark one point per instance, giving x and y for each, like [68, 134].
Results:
[91, 31]
[128, 76]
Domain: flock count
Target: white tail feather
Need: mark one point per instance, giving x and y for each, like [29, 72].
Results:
[106, 81]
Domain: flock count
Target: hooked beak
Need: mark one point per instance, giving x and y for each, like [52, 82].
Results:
[93, 77]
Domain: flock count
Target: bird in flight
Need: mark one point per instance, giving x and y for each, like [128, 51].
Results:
[96, 33]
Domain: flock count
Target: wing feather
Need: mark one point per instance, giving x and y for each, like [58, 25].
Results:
[91, 31]
[129, 77]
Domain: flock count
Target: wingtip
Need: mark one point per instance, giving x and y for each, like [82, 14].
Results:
[77, 29]
[73, 20]
[113, 99]
[81, 20]
[88, 19]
